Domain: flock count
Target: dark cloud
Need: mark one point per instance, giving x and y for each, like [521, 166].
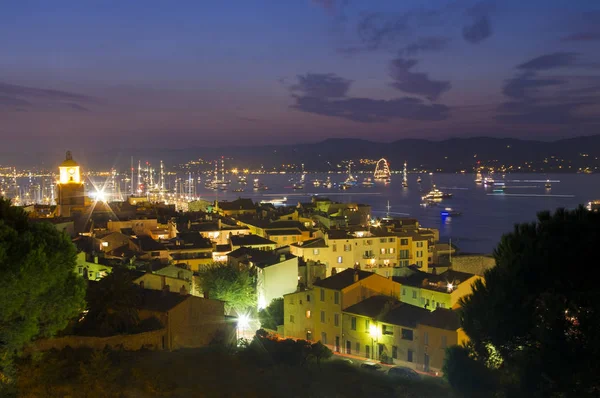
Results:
[415, 82]
[325, 94]
[478, 31]
[549, 61]
[320, 85]
[433, 43]
[582, 36]
[537, 99]
[526, 85]
[14, 96]
[379, 30]
[368, 110]
[480, 27]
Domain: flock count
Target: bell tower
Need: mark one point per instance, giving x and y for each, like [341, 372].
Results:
[70, 187]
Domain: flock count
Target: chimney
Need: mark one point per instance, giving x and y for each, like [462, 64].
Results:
[355, 276]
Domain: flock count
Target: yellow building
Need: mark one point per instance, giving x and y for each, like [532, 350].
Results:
[438, 330]
[334, 294]
[192, 249]
[383, 329]
[432, 291]
[299, 318]
[413, 249]
[91, 270]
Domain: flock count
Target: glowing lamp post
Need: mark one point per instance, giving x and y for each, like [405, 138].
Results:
[243, 322]
[374, 332]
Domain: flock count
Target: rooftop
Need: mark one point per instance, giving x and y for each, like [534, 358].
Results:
[249, 240]
[311, 243]
[373, 307]
[260, 258]
[405, 315]
[280, 232]
[442, 318]
[343, 279]
[238, 204]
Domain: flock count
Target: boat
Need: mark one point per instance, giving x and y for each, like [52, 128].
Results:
[449, 212]
[419, 179]
[367, 182]
[478, 178]
[274, 201]
[300, 183]
[382, 170]
[404, 176]
[429, 203]
[436, 194]
[238, 190]
[344, 186]
[328, 183]
[350, 180]
[548, 185]
[259, 186]
[317, 183]
[594, 205]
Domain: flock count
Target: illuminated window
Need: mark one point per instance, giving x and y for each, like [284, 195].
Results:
[307, 313]
[391, 250]
[105, 244]
[315, 251]
[339, 260]
[382, 251]
[334, 248]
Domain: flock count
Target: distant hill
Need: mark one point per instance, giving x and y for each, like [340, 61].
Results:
[449, 155]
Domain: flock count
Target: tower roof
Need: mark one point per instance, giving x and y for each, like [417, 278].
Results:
[69, 162]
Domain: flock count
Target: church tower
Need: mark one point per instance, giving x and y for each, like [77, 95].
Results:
[70, 187]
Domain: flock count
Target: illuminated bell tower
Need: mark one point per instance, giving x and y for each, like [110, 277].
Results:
[70, 187]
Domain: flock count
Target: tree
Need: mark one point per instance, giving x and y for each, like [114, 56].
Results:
[535, 321]
[39, 289]
[112, 305]
[272, 316]
[228, 283]
[319, 351]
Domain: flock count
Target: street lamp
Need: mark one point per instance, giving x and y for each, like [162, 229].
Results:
[243, 322]
[373, 331]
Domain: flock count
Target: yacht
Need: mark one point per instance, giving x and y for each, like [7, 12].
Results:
[367, 182]
[328, 183]
[419, 179]
[449, 212]
[280, 201]
[238, 190]
[548, 185]
[478, 178]
[594, 205]
[259, 186]
[436, 194]
[317, 183]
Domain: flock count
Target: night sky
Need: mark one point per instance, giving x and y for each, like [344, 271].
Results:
[179, 73]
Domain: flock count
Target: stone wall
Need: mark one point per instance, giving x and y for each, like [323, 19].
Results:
[131, 342]
[473, 263]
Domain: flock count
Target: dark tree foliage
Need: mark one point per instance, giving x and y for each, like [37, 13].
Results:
[272, 316]
[39, 289]
[535, 321]
[112, 305]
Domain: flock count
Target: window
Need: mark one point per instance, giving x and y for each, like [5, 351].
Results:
[420, 264]
[391, 240]
[407, 334]
[334, 248]
[403, 242]
[308, 298]
[291, 319]
[410, 356]
[387, 330]
[357, 348]
[444, 341]
[80, 270]
[404, 254]
[369, 242]
[368, 253]
[422, 301]
[391, 250]
[367, 325]
[419, 244]
[404, 263]
[347, 247]
[336, 297]
[105, 244]
[394, 352]
[443, 305]
[382, 240]
[323, 337]
[322, 294]
[315, 251]
[155, 254]
[336, 319]
[367, 351]
[285, 238]
[339, 259]
[419, 253]
[353, 323]
[382, 251]
[322, 316]
[348, 347]
[426, 338]
[414, 292]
